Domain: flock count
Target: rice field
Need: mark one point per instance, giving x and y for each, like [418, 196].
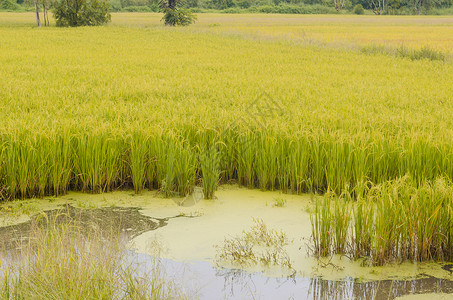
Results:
[138, 105]
[392, 222]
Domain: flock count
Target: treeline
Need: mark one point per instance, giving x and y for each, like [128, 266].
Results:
[379, 7]
[394, 7]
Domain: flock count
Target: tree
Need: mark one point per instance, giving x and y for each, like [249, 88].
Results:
[81, 12]
[417, 5]
[377, 6]
[45, 8]
[45, 5]
[339, 4]
[175, 15]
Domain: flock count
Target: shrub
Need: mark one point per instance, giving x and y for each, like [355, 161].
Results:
[358, 9]
[8, 5]
[81, 13]
[178, 17]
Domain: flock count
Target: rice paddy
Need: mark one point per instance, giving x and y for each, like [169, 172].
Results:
[392, 222]
[299, 104]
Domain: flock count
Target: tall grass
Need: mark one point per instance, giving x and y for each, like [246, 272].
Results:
[392, 221]
[210, 168]
[61, 262]
[94, 163]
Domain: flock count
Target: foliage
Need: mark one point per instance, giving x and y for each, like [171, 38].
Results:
[81, 12]
[9, 5]
[178, 17]
[358, 9]
[296, 6]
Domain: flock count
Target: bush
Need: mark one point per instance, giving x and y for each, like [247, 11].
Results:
[8, 5]
[115, 5]
[178, 17]
[358, 9]
[81, 13]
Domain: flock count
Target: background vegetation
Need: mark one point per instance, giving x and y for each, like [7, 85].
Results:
[393, 7]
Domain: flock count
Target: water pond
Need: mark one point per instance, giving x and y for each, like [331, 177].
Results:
[190, 233]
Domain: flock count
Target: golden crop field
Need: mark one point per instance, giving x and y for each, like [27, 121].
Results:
[268, 101]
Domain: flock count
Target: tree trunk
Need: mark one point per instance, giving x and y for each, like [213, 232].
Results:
[46, 14]
[38, 21]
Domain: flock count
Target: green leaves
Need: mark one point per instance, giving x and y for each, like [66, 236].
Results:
[73, 13]
[178, 17]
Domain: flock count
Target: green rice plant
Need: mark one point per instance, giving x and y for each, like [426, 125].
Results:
[151, 162]
[338, 164]
[185, 168]
[209, 159]
[397, 220]
[3, 185]
[362, 228]
[60, 163]
[138, 161]
[246, 156]
[266, 161]
[42, 161]
[318, 159]
[19, 167]
[168, 161]
[228, 151]
[283, 164]
[341, 224]
[97, 161]
[158, 154]
[299, 166]
[321, 224]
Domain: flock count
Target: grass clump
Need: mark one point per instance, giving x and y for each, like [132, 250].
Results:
[406, 52]
[392, 222]
[60, 262]
[259, 245]
[279, 202]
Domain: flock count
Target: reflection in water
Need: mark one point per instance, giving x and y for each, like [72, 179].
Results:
[384, 289]
[207, 282]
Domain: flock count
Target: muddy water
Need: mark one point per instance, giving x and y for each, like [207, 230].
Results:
[128, 222]
[189, 232]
